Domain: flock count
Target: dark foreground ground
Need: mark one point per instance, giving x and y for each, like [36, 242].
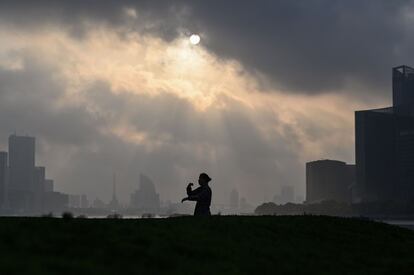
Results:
[216, 245]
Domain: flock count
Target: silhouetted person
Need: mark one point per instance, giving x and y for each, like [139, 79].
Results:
[202, 195]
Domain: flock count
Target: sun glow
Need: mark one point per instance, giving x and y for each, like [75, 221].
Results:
[195, 39]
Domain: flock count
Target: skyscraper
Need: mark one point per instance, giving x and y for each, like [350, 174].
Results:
[384, 144]
[22, 172]
[21, 162]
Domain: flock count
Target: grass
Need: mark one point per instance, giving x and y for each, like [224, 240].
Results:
[216, 245]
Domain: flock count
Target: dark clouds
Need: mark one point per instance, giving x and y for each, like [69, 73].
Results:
[160, 17]
[300, 46]
[308, 46]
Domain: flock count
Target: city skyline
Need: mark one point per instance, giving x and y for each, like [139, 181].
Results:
[20, 173]
[25, 190]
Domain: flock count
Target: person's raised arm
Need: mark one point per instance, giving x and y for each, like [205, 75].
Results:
[189, 190]
[192, 194]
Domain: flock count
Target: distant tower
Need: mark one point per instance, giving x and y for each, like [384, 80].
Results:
[114, 202]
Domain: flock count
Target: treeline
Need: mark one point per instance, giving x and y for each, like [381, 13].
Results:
[334, 208]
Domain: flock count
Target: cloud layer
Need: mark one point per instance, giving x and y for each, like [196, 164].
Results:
[301, 46]
[116, 87]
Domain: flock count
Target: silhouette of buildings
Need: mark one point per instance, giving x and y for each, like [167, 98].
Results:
[146, 198]
[329, 180]
[24, 188]
[384, 145]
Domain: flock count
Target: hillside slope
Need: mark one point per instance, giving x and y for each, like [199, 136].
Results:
[216, 245]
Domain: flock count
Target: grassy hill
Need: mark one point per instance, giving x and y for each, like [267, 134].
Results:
[216, 245]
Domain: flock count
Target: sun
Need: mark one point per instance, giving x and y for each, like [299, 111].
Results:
[194, 39]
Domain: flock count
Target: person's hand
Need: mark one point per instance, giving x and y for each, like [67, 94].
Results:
[183, 200]
[190, 184]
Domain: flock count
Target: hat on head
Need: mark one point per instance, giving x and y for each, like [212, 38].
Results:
[205, 176]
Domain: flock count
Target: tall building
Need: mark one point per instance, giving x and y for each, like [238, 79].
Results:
[146, 198]
[384, 145]
[21, 162]
[22, 172]
[3, 179]
[329, 180]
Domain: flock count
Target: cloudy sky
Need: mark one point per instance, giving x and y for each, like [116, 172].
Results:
[116, 86]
